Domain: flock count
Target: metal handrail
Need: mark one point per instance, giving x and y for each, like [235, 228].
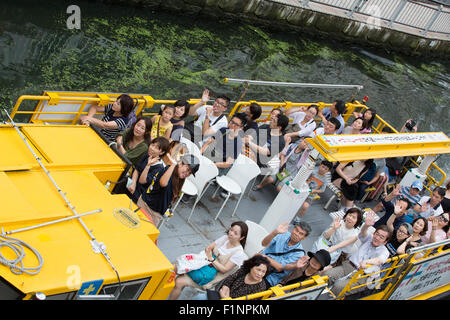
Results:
[396, 11]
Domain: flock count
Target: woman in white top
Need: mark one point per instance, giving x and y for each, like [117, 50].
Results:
[304, 120]
[340, 237]
[224, 255]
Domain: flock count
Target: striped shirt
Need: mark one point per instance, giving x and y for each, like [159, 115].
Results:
[404, 193]
[121, 121]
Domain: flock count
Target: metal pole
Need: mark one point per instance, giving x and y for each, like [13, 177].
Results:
[294, 84]
[432, 20]
[356, 7]
[397, 12]
[50, 222]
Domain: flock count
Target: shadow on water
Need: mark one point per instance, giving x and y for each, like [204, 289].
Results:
[122, 49]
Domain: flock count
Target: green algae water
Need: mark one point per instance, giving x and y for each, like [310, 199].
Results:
[169, 56]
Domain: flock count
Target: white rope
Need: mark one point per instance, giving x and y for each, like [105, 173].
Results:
[16, 265]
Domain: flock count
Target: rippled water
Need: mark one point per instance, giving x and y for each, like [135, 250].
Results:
[121, 49]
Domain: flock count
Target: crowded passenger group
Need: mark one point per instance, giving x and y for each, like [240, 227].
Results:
[403, 217]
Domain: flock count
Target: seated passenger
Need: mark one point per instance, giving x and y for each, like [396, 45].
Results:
[306, 267]
[334, 111]
[249, 279]
[411, 193]
[181, 111]
[164, 185]
[445, 203]
[276, 111]
[115, 119]
[346, 176]
[133, 142]
[330, 127]
[399, 235]
[226, 144]
[317, 182]
[253, 112]
[369, 115]
[303, 123]
[371, 251]
[399, 209]
[209, 119]
[430, 206]
[270, 141]
[282, 248]
[157, 149]
[339, 238]
[419, 229]
[355, 128]
[225, 254]
[437, 228]
[291, 160]
[161, 124]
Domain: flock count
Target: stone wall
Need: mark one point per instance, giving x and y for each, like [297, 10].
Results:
[279, 16]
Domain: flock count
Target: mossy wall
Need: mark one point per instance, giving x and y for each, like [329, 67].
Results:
[279, 16]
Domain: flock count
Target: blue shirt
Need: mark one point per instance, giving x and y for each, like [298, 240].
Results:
[280, 244]
[327, 113]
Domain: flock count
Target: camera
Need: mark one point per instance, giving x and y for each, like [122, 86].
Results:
[410, 125]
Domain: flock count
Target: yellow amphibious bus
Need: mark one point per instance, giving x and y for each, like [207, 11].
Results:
[65, 235]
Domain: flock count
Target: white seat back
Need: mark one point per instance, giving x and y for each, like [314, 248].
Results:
[255, 236]
[243, 170]
[205, 173]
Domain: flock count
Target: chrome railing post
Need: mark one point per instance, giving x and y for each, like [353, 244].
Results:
[356, 6]
[397, 12]
[432, 20]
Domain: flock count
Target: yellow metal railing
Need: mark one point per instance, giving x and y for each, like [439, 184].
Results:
[79, 101]
[391, 271]
[393, 267]
[378, 125]
[280, 291]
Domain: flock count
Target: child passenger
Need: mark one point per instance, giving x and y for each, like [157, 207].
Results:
[317, 182]
[161, 124]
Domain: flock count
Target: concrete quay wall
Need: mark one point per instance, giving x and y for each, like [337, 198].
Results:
[288, 15]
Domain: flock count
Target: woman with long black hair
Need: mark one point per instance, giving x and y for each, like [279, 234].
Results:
[164, 184]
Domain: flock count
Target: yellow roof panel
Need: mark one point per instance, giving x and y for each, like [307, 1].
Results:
[66, 246]
[71, 145]
[15, 154]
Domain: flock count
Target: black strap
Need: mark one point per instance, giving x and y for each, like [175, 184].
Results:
[283, 253]
[220, 117]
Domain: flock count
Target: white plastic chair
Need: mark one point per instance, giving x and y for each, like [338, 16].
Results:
[205, 175]
[236, 180]
[255, 236]
[191, 147]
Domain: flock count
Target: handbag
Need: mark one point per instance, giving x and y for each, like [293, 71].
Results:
[189, 262]
[283, 174]
[213, 294]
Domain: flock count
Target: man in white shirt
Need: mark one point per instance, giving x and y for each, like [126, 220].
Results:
[371, 252]
[330, 127]
[210, 119]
